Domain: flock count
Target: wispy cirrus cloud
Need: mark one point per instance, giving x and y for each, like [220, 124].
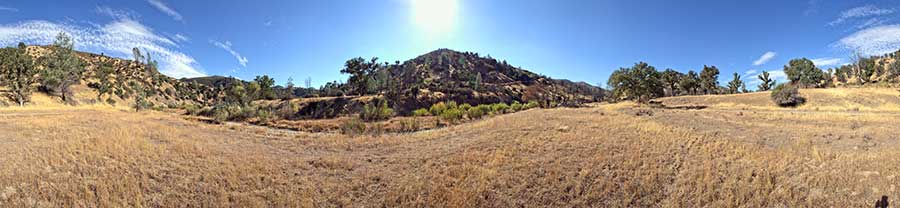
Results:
[8, 9]
[181, 38]
[820, 62]
[116, 38]
[765, 58]
[870, 13]
[227, 47]
[878, 40]
[163, 7]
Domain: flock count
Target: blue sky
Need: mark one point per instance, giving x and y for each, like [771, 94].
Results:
[576, 40]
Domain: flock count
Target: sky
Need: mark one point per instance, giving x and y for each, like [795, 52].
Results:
[568, 39]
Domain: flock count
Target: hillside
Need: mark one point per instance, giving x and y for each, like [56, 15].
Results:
[467, 77]
[129, 79]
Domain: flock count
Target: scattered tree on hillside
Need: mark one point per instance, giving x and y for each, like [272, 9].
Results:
[893, 70]
[17, 73]
[735, 85]
[138, 56]
[766, 83]
[689, 83]
[709, 79]
[104, 74]
[804, 73]
[63, 70]
[640, 82]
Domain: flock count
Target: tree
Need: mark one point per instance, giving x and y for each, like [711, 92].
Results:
[308, 82]
[766, 83]
[359, 71]
[709, 79]
[689, 83]
[289, 87]
[670, 79]
[104, 73]
[137, 54]
[893, 70]
[804, 73]
[735, 85]
[640, 82]
[64, 68]
[266, 84]
[18, 73]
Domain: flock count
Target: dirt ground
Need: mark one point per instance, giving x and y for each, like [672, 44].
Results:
[607, 155]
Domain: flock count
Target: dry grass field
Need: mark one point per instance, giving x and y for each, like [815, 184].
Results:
[839, 150]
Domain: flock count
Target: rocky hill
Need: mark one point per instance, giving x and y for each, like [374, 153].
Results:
[467, 77]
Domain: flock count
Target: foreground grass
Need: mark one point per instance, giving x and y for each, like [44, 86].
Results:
[603, 156]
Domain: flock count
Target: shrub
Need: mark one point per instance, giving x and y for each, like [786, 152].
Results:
[477, 112]
[786, 95]
[376, 112]
[452, 115]
[421, 112]
[191, 109]
[353, 127]
[499, 108]
[409, 125]
[464, 107]
[287, 110]
[263, 115]
[438, 108]
[532, 104]
[485, 109]
[516, 106]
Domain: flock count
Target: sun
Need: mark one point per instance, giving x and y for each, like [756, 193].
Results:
[435, 16]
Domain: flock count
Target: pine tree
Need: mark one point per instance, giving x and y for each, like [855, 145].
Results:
[766, 83]
[709, 79]
[734, 86]
[64, 68]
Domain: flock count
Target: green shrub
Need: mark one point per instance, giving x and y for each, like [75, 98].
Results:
[477, 112]
[421, 112]
[452, 115]
[452, 104]
[532, 104]
[438, 108]
[499, 108]
[376, 112]
[353, 127]
[516, 106]
[464, 107]
[786, 95]
[191, 109]
[485, 109]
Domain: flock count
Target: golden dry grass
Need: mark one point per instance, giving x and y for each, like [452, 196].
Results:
[602, 156]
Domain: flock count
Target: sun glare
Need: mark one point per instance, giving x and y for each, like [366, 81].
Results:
[435, 16]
